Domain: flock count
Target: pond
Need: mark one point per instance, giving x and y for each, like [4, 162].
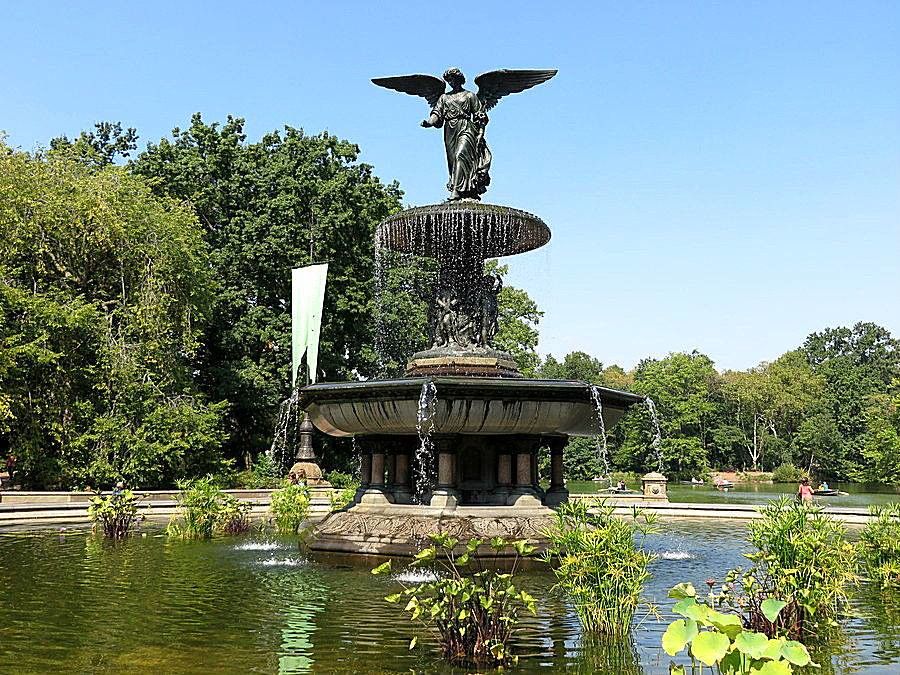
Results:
[859, 495]
[256, 604]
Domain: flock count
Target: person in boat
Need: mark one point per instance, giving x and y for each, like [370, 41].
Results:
[824, 486]
[805, 491]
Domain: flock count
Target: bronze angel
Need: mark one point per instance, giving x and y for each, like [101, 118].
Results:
[463, 115]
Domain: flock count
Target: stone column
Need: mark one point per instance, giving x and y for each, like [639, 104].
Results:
[376, 494]
[504, 470]
[365, 471]
[401, 488]
[523, 469]
[557, 492]
[445, 495]
[525, 493]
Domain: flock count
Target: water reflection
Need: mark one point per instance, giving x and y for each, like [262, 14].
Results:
[151, 604]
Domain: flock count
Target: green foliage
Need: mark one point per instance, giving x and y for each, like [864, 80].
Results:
[879, 546]
[717, 639]
[114, 513]
[802, 556]
[855, 364]
[475, 613]
[599, 565]
[104, 288]
[340, 480]
[234, 515]
[263, 475]
[267, 206]
[289, 508]
[788, 473]
[343, 497]
[199, 509]
[517, 320]
[99, 147]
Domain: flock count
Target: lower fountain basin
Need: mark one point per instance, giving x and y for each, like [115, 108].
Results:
[464, 405]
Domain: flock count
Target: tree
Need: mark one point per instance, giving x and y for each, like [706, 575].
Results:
[575, 366]
[285, 201]
[103, 292]
[854, 364]
[769, 403]
[97, 148]
[518, 317]
[682, 386]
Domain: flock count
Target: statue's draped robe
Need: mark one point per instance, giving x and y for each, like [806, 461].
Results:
[468, 158]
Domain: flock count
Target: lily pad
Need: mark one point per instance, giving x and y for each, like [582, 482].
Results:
[752, 644]
[678, 635]
[710, 646]
[771, 608]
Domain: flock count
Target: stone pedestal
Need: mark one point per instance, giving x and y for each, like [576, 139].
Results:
[400, 487]
[654, 486]
[557, 494]
[525, 494]
[445, 495]
[375, 493]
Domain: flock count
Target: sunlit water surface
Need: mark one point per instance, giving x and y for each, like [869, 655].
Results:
[73, 603]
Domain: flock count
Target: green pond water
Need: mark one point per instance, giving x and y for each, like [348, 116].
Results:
[859, 495]
[71, 602]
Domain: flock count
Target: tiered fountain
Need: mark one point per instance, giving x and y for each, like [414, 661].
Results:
[453, 446]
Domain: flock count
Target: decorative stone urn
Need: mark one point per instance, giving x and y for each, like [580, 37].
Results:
[654, 486]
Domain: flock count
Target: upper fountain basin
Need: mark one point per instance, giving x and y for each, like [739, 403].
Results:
[463, 405]
[484, 230]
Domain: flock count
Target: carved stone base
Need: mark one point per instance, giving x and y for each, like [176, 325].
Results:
[402, 530]
[487, 363]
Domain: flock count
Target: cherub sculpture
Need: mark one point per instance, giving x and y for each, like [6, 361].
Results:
[463, 115]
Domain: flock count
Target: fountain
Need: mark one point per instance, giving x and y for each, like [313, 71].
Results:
[453, 445]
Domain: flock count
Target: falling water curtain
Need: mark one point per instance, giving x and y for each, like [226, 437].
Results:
[307, 297]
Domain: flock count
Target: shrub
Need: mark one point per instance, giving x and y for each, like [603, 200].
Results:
[802, 557]
[879, 546]
[289, 508]
[475, 614]
[114, 513]
[341, 480]
[599, 565]
[788, 473]
[234, 515]
[200, 508]
[344, 497]
[718, 639]
[263, 475]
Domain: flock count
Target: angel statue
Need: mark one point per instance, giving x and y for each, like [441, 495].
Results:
[463, 115]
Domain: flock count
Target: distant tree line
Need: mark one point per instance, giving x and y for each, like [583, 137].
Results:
[831, 406]
[145, 327]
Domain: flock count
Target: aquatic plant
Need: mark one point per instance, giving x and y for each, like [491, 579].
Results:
[803, 557]
[114, 513]
[475, 613]
[289, 508]
[599, 564]
[234, 515]
[879, 546]
[719, 640]
[199, 509]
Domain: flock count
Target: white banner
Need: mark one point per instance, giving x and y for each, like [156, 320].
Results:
[307, 298]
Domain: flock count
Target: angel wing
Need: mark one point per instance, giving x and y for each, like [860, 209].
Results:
[428, 87]
[496, 84]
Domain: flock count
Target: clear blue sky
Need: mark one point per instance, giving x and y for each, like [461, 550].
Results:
[718, 176]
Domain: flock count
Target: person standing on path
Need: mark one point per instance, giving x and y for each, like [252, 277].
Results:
[805, 492]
